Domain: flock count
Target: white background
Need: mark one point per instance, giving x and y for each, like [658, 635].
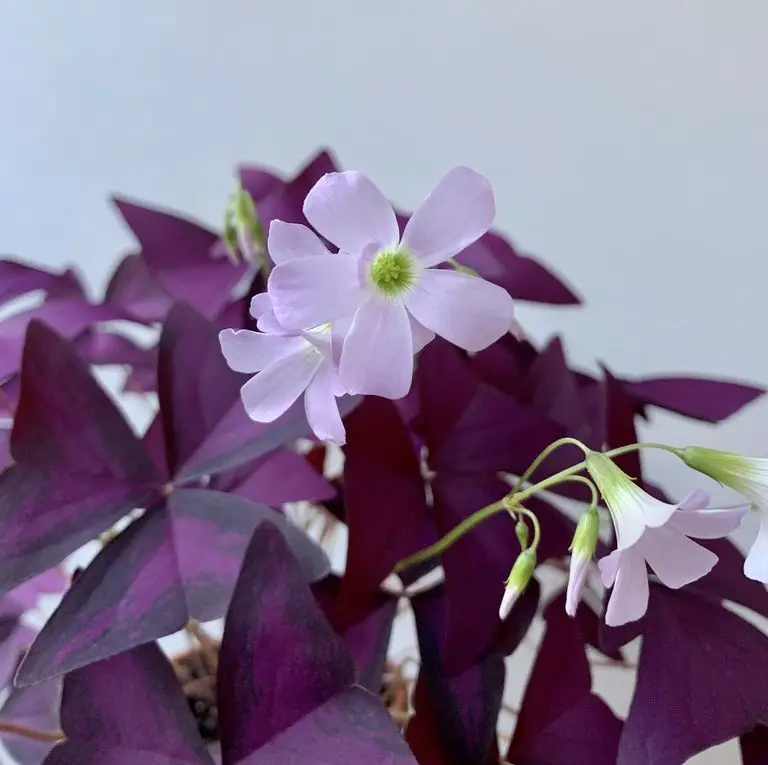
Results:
[627, 143]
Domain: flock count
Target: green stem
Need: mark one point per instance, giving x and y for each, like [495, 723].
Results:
[511, 500]
[536, 528]
[590, 484]
[462, 269]
[552, 447]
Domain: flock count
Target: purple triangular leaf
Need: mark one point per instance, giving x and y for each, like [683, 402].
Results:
[134, 289]
[704, 664]
[495, 259]
[79, 467]
[696, 397]
[385, 501]
[127, 710]
[297, 706]
[18, 278]
[36, 708]
[178, 562]
[560, 720]
[466, 702]
[177, 252]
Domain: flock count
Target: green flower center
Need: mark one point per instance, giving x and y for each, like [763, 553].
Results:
[392, 272]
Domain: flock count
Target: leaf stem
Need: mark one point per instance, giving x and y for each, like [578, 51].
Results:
[31, 733]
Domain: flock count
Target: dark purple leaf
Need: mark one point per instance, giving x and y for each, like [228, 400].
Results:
[495, 259]
[695, 397]
[754, 746]
[104, 348]
[283, 476]
[465, 704]
[619, 424]
[79, 467]
[700, 680]
[177, 252]
[134, 289]
[36, 708]
[561, 720]
[127, 710]
[179, 561]
[18, 278]
[385, 501]
[292, 706]
[366, 638]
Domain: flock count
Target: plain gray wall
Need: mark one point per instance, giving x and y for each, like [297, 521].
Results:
[627, 143]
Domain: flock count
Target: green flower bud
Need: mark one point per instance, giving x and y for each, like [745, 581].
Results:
[517, 581]
[522, 532]
[585, 537]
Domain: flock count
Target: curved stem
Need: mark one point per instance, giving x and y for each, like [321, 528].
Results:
[586, 482]
[536, 528]
[31, 733]
[551, 448]
[452, 536]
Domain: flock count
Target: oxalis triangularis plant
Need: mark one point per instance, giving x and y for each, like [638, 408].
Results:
[322, 316]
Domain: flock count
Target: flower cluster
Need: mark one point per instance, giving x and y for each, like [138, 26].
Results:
[351, 320]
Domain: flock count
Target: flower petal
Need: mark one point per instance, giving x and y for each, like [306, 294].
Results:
[577, 575]
[756, 564]
[377, 358]
[674, 558]
[421, 335]
[348, 210]
[321, 407]
[707, 523]
[291, 241]
[313, 291]
[629, 597]
[260, 304]
[458, 212]
[271, 392]
[466, 310]
[250, 352]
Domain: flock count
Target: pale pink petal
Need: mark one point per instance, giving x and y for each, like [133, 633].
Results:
[291, 241]
[269, 324]
[628, 521]
[674, 558]
[609, 567]
[260, 304]
[655, 512]
[466, 310]
[756, 564]
[348, 210]
[312, 291]
[458, 212]
[578, 569]
[339, 331]
[321, 407]
[271, 392]
[377, 357]
[250, 352]
[629, 597]
[510, 597]
[421, 335]
[711, 523]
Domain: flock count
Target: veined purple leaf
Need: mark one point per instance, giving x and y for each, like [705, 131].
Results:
[561, 721]
[280, 477]
[18, 278]
[177, 252]
[15, 639]
[295, 707]
[69, 316]
[695, 397]
[36, 708]
[456, 711]
[366, 638]
[385, 501]
[127, 710]
[178, 562]
[134, 289]
[704, 663]
[79, 467]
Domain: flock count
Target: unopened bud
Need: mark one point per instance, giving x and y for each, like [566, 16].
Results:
[521, 529]
[517, 581]
[587, 530]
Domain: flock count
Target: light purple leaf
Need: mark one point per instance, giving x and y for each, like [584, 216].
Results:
[134, 289]
[178, 562]
[696, 397]
[18, 278]
[79, 467]
[700, 680]
[561, 722]
[127, 710]
[36, 708]
[299, 706]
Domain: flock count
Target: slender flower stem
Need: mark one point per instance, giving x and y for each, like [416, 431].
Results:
[32, 733]
[544, 454]
[534, 520]
[462, 269]
[514, 498]
[590, 484]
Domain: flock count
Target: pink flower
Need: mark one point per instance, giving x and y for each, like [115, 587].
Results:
[286, 365]
[668, 549]
[386, 286]
[582, 549]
